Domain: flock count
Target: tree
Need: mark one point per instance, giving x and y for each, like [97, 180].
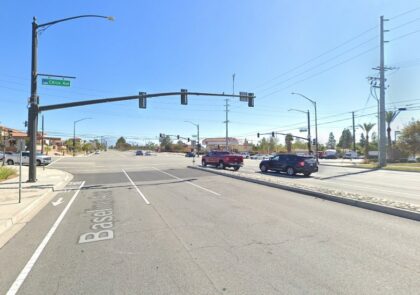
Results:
[389, 118]
[288, 140]
[366, 127]
[69, 145]
[150, 146]
[121, 144]
[409, 139]
[87, 147]
[362, 140]
[166, 143]
[120, 141]
[346, 139]
[272, 144]
[47, 149]
[263, 145]
[331, 141]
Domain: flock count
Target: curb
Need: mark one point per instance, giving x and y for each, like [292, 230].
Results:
[33, 208]
[358, 167]
[364, 205]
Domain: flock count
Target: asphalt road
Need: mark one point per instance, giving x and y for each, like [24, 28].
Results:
[392, 185]
[148, 225]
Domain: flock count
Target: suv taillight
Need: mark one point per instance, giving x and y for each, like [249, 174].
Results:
[301, 164]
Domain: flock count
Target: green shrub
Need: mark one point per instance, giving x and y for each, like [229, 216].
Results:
[6, 172]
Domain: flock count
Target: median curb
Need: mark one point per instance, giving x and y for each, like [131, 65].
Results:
[357, 203]
[367, 168]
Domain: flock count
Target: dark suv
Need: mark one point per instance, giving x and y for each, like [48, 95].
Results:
[291, 164]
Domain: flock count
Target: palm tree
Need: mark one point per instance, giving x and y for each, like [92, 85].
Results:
[288, 140]
[389, 118]
[366, 127]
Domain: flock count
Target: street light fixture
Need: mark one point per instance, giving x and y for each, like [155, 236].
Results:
[309, 127]
[74, 134]
[33, 110]
[198, 136]
[316, 121]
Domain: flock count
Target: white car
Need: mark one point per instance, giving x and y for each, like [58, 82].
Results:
[14, 159]
[350, 155]
[260, 157]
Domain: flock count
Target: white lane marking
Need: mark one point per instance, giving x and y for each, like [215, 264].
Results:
[28, 267]
[140, 193]
[55, 161]
[58, 202]
[187, 181]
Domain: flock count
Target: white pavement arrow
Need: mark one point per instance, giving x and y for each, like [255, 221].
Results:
[58, 202]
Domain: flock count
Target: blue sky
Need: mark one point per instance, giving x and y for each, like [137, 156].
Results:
[274, 47]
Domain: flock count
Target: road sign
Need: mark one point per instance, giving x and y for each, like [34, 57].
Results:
[56, 82]
[303, 129]
[20, 145]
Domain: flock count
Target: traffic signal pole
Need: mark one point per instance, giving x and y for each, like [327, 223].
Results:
[33, 105]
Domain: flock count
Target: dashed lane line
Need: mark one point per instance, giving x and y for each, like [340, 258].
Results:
[187, 181]
[29, 265]
[135, 186]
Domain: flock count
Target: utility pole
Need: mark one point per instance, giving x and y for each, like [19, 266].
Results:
[198, 140]
[42, 136]
[309, 133]
[382, 127]
[227, 123]
[227, 111]
[354, 133]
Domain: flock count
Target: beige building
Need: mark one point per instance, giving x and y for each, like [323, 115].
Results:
[219, 143]
[10, 137]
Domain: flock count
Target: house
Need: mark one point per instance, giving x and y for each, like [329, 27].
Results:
[11, 136]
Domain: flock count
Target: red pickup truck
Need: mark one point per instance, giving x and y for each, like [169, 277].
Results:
[222, 160]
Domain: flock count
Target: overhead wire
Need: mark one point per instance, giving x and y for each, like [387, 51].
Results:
[317, 57]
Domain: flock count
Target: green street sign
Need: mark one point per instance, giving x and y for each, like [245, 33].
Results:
[56, 82]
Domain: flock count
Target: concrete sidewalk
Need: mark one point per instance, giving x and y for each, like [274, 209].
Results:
[14, 215]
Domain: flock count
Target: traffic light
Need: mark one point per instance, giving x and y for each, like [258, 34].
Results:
[272, 134]
[314, 141]
[243, 96]
[188, 139]
[251, 100]
[258, 135]
[161, 135]
[142, 100]
[26, 123]
[184, 96]
[177, 137]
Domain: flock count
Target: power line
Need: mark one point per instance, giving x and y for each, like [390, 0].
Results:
[404, 24]
[334, 115]
[405, 12]
[320, 64]
[316, 57]
[319, 73]
[405, 35]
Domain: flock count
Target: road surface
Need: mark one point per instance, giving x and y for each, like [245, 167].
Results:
[167, 229]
